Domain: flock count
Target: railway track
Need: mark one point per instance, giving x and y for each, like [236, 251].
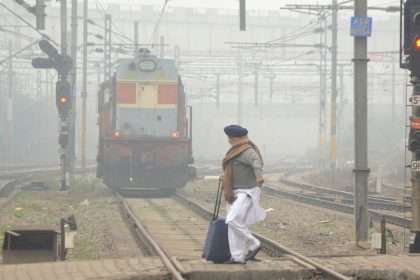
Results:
[345, 206]
[175, 227]
[384, 203]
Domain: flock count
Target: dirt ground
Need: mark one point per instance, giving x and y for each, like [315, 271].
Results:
[101, 231]
[307, 229]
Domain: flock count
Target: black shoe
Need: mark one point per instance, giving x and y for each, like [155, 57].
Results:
[232, 261]
[251, 254]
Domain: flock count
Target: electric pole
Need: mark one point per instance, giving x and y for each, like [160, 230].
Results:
[240, 95]
[107, 47]
[256, 82]
[323, 55]
[393, 89]
[333, 119]
[84, 86]
[9, 117]
[136, 37]
[361, 170]
[72, 119]
[64, 121]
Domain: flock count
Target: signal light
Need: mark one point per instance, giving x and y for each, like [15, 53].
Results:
[116, 134]
[63, 98]
[175, 135]
[417, 43]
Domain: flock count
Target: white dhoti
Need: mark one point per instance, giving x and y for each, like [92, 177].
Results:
[244, 211]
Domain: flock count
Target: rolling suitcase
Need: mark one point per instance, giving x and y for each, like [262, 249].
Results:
[216, 247]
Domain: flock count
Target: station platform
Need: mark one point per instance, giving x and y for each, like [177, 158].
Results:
[112, 269]
[384, 267]
[151, 268]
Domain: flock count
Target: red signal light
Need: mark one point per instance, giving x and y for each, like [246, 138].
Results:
[116, 134]
[63, 99]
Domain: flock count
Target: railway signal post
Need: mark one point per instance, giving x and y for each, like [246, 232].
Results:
[411, 50]
[64, 98]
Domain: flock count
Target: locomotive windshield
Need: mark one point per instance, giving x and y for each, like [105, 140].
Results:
[147, 93]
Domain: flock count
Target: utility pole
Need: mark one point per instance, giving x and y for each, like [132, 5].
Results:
[393, 89]
[84, 86]
[72, 119]
[136, 36]
[361, 170]
[107, 47]
[333, 119]
[323, 87]
[256, 93]
[162, 46]
[64, 122]
[9, 117]
[240, 95]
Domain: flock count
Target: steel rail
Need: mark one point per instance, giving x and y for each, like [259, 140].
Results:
[373, 202]
[272, 247]
[145, 235]
[347, 209]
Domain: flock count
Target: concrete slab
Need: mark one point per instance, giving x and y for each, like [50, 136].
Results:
[282, 268]
[404, 267]
[111, 269]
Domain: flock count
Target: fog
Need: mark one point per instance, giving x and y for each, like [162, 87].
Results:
[280, 107]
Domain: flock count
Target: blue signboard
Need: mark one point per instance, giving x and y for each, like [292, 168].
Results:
[361, 26]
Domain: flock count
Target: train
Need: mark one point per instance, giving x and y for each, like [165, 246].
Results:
[145, 126]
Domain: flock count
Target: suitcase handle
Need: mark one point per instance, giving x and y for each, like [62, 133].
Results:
[218, 200]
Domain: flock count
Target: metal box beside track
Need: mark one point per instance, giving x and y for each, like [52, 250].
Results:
[30, 245]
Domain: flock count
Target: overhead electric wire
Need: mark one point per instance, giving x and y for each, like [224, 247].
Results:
[157, 24]
[113, 28]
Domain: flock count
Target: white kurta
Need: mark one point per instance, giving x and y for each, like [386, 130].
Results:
[244, 211]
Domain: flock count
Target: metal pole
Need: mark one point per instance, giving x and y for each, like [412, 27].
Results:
[415, 180]
[323, 90]
[63, 18]
[341, 86]
[107, 49]
[136, 36]
[239, 110]
[9, 118]
[63, 124]
[256, 87]
[361, 170]
[84, 86]
[393, 89]
[162, 46]
[333, 124]
[72, 120]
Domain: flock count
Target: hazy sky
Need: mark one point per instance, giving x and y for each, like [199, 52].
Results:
[252, 4]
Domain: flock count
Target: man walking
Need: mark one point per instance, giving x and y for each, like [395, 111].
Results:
[242, 181]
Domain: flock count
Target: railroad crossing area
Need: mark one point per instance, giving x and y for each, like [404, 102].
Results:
[151, 268]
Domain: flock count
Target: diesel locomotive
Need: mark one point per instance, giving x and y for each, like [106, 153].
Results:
[145, 127]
